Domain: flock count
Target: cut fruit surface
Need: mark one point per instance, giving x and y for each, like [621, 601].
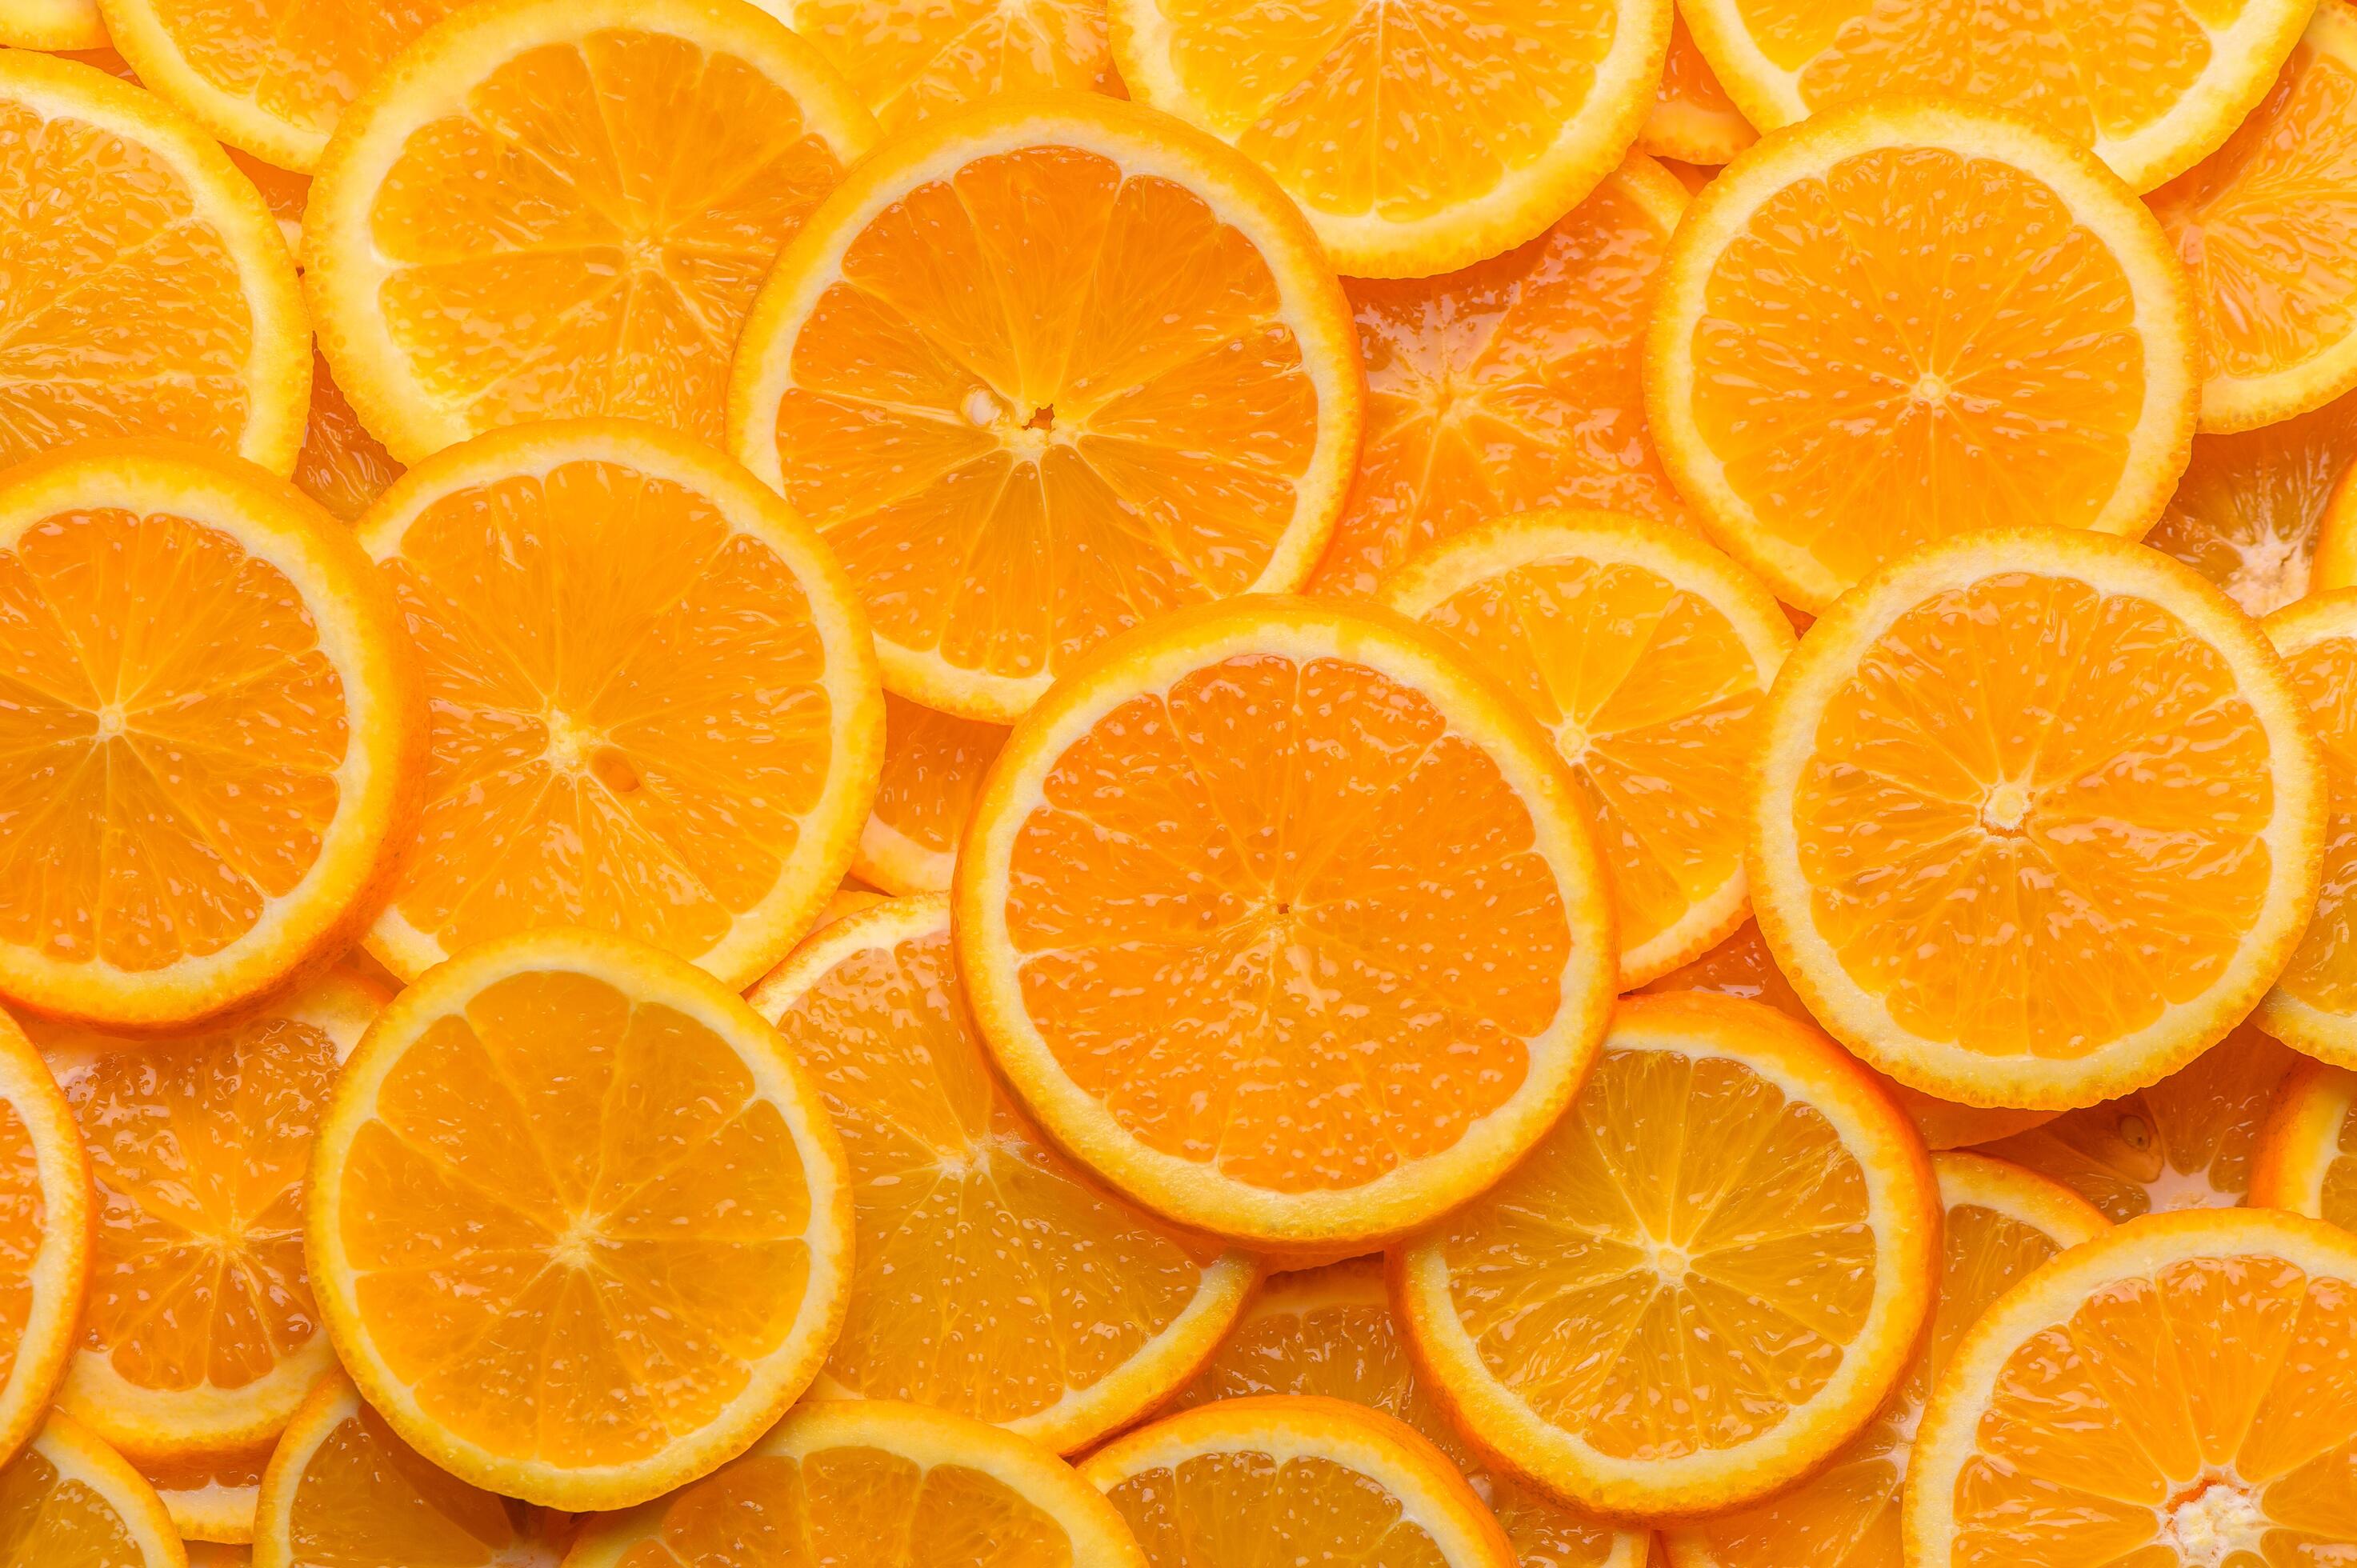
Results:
[1998, 1223]
[1511, 385]
[214, 731]
[2173, 1394]
[2267, 227]
[654, 704]
[1074, 1312]
[1692, 119]
[45, 1236]
[1413, 140]
[933, 764]
[1832, 384]
[52, 25]
[1735, 1209]
[1153, 399]
[2252, 511]
[550, 209]
[2308, 1153]
[1329, 1332]
[211, 1498]
[1285, 924]
[342, 466]
[881, 1483]
[150, 292]
[70, 1501]
[1648, 655]
[578, 1224]
[2051, 738]
[914, 59]
[2314, 1004]
[207, 1554]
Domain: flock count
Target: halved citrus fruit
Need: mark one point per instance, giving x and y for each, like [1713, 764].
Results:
[2151, 99]
[2314, 1004]
[874, 1482]
[215, 733]
[211, 1496]
[61, 25]
[2253, 513]
[2051, 738]
[1511, 385]
[2279, 337]
[45, 1236]
[1074, 1313]
[1998, 1223]
[578, 1224]
[1329, 1332]
[1414, 136]
[933, 763]
[1872, 329]
[913, 59]
[1294, 1479]
[72, 1502]
[1740, 1222]
[2307, 1153]
[150, 294]
[548, 208]
[1648, 655]
[342, 466]
[1692, 119]
[1285, 924]
[1041, 370]
[2175, 1392]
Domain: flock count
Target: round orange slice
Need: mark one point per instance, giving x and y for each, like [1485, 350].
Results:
[216, 736]
[342, 466]
[2174, 1392]
[1512, 385]
[578, 1224]
[2278, 335]
[1873, 328]
[1648, 655]
[933, 764]
[1074, 1314]
[211, 1498]
[2314, 1004]
[73, 1502]
[1154, 400]
[45, 1236]
[874, 1481]
[1998, 1223]
[1294, 1479]
[2307, 1153]
[548, 209]
[911, 62]
[1692, 119]
[1286, 925]
[1739, 1215]
[2043, 740]
[655, 707]
[1329, 1332]
[2253, 512]
[62, 25]
[150, 294]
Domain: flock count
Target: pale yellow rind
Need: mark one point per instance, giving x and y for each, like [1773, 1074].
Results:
[2019, 1193]
[2297, 1022]
[83, 1459]
[329, 1405]
[51, 25]
[59, 1272]
[2302, 1137]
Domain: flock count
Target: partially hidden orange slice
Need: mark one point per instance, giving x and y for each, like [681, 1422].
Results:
[1831, 385]
[1511, 385]
[2049, 736]
[1155, 399]
[912, 61]
[1692, 119]
[2174, 1392]
[933, 764]
[2314, 1004]
[45, 1236]
[578, 1223]
[72, 1502]
[2253, 512]
[1285, 924]
[211, 1498]
[2307, 1159]
[1074, 1313]
[342, 466]
[60, 25]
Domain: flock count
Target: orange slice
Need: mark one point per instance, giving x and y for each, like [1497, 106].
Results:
[1329, 1332]
[2267, 227]
[149, 291]
[1510, 386]
[1999, 1223]
[555, 207]
[206, 1554]
[1692, 119]
[1414, 137]
[1294, 1480]
[577, 1222]
[1156, 402]
[343, 1489]
[2151, 97]
[1285, 924]
[880, 1484]
[1740, 1224]
[64, 24]
[2049, 736]
[2314, 1004]
[933, 763]
[72, 1502]
[848, 900]
[913, 59]
[1831, 387]
[2174, 1392]
[1648, 656]
[2307, 1153]
[45, 1237]
[211, 1498]
[655, 710]
[1074, 1314]
[2253, 513]
[342, 466]
[214, 740]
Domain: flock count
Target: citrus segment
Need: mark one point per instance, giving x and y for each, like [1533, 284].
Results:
[2308, 1153]
[2314, 1004]
[548, 209]
[577, 1222]
[1074, 1313]
[1041, 370]
[912, 59]
[655, 710]
[70, 1501]
[2049, 736]
[62, 25]
[1873, 328]
[1511, 385]
[342, 466]
[44, 1230]
[206, 1554]
[1737, 1216]
[1648, 655]
[211, 1498]
[1284, 924]
[933, 764]
[845, 900]
[1692, 119]
[2253, 513]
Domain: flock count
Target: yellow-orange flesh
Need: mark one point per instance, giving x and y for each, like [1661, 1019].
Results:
[2321, 979]
[2245, 515]
[909, 63]
[342, 466]
[1693, 118]
[933, 763]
